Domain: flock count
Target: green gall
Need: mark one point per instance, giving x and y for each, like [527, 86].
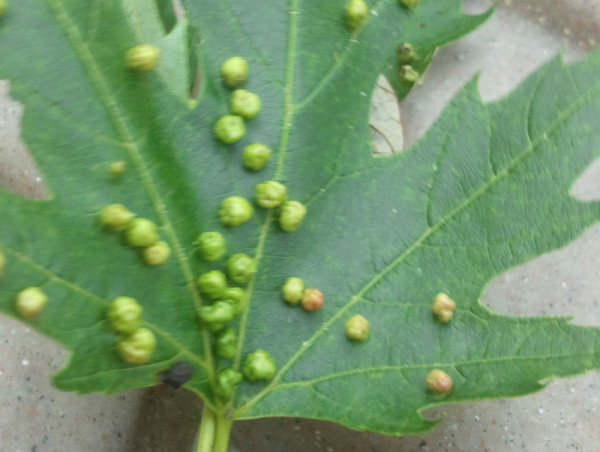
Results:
[234, 72]
[405, 52]
[157, 254]
[115, 217]
[408, 74]
[124, 315]
[237, 298]
[137, 348]
[227, 379]
[292, 290]
[245, 104]
[230, 128]
[235, 211]
[142, 233]
[211, 245]
[255, 156]
[270, 194]
[357, 328]
[213, 284]
[410, 3]
[226, 343]
[30, 302]
[142, 58]
[217, 316]
[259, 365]
[291, 215]
[356, 11]
[3, 6]
[443, 307]
[241, 268]
[438, 381]
[2, 263]
[312, 299]
[117, 168]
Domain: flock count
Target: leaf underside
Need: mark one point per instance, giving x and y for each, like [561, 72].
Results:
[486, 189]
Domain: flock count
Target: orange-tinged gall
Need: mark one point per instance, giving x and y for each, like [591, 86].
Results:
[438, 381]
[312, 299]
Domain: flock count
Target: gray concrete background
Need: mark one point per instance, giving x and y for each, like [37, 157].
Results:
[565, 416]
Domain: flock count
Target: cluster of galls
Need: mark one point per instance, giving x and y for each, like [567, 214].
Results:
[355, 14]
[124, 315]
[294, 293]
[224, 303]
[406, 54]
[135, 344]
[244, 105]
[139, 232]
[229, 129]
[227, 302]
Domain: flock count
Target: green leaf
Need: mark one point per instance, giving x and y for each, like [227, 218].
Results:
[486, 189]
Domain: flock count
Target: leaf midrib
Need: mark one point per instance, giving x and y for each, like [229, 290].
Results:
[288, 110]
[497, 177]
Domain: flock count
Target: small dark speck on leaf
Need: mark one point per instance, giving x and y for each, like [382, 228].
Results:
[181, 372]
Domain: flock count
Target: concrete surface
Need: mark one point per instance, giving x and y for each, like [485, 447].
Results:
[565, 416]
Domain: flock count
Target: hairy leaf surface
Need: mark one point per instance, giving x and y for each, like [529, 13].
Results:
[486, 189]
